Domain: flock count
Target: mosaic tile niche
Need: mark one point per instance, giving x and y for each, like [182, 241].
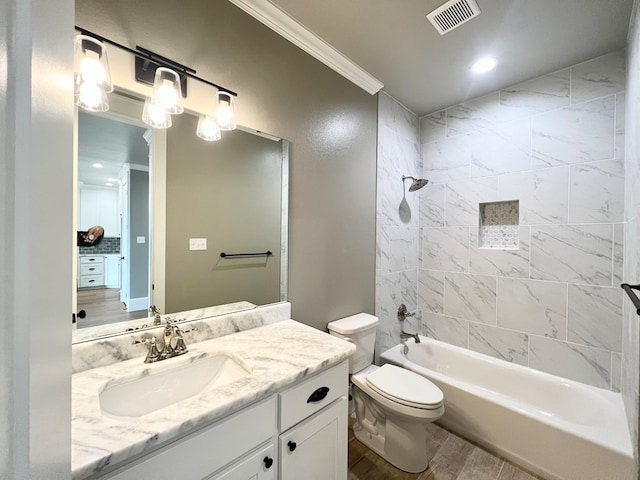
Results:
[499, 222]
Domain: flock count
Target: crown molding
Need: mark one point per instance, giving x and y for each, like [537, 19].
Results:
[281, 23]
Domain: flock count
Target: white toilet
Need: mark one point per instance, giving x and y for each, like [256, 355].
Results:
[392, 404]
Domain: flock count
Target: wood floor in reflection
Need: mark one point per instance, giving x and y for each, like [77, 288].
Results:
[452, 458]
[102, 306]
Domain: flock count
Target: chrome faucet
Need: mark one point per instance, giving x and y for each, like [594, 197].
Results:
[404, 335]
[173, 343]
[157, 320]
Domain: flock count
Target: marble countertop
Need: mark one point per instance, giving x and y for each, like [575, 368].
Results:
[277, 355]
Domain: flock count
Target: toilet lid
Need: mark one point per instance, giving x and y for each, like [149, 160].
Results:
[405, 386]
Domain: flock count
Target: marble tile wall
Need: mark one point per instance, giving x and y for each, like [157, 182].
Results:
[554, 144]
[398, 220]
[627, 361]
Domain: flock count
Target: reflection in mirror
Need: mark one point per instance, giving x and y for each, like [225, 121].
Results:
[228, 196]
[114, 280]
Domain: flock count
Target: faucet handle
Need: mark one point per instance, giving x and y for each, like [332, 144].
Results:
[153, 355]
[180, 347]
[403, 313]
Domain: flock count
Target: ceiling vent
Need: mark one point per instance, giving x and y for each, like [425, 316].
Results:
[453, 14]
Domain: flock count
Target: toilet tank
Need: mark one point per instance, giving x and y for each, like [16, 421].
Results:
[359, 329]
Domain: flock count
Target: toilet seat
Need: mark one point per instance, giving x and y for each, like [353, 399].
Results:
[405, 387]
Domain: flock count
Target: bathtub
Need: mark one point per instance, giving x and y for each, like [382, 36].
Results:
[554, 427]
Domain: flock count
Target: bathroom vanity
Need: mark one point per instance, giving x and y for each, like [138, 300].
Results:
[275, 406]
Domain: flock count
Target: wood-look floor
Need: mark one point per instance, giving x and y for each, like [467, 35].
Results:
[103, 306]
[452, 458]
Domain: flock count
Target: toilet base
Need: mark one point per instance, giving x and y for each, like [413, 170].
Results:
[402, 444]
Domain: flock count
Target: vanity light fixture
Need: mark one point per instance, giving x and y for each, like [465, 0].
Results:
[167, 91]
[208, 128]
[224, 114]
[155, 115]
[169, 80]
[92, 78]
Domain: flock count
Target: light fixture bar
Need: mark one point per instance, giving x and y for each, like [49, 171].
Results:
[150, 57]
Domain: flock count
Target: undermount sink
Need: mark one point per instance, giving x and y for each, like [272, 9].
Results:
[164, 384]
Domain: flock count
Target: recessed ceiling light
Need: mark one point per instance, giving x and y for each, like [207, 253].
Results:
[111, 179]
[484, 65]
[109, 184]
[97, 165]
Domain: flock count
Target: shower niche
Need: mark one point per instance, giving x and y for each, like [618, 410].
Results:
[499, 225]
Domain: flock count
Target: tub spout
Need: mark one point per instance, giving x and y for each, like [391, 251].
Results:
[404, 335]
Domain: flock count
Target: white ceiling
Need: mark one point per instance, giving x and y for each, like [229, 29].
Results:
[110, 143]
[426, 72]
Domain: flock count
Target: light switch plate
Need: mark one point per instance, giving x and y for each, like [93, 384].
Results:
[140, 239]
[197, 244]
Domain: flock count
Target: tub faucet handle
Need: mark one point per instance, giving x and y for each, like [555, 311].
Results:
[403, 313]
[404, 335]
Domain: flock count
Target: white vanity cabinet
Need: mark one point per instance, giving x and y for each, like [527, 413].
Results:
[313, 426]
[260, 465]
[299, 433]
[238, 438]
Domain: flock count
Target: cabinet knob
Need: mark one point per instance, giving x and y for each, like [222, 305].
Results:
[82, 314]
[292, 446]
[268, 462]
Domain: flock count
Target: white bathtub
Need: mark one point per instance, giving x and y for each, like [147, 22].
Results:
[557, 428]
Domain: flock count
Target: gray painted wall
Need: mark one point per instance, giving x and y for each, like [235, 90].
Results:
[228, 192]
[330, 122]
[139, 221]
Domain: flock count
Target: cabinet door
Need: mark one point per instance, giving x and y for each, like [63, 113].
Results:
[316, 449]
[108, 214]
[259, 466]
[112, 271]
[99, 206]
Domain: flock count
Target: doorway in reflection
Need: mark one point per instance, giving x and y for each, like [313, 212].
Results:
[113, 279]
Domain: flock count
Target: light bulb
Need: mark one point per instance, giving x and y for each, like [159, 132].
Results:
[92, 97]
[208, 129]
[167, 90]
[224, 116]
[91, 70]
[155, 115]
[167, 95]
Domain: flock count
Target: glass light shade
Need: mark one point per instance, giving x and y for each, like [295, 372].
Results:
[224, 114]
[92, 76]
[93, 98]
[208, 129]
[155, 115]
[167, 90]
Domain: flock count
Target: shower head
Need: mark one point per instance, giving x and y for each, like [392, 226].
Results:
[417, 183]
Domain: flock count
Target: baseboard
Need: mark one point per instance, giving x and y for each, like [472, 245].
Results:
[136, 304]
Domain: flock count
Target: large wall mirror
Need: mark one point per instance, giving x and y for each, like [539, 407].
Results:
[171, 204]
